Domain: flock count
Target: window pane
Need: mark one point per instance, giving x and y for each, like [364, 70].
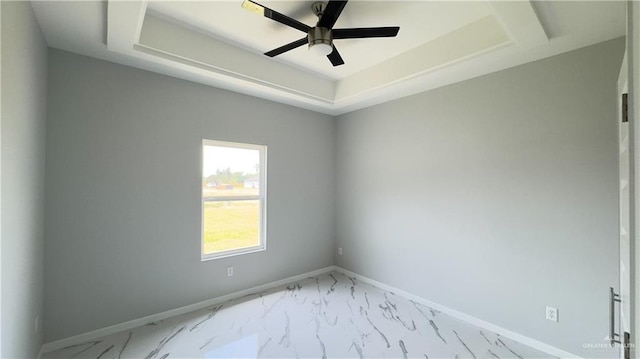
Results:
[231, 225]
[230, 171]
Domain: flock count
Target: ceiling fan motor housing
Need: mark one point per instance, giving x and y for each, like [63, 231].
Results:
[320, 35]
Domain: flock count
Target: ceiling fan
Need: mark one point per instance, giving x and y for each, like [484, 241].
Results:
[320, 37]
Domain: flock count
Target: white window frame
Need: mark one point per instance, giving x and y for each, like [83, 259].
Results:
[261, 198]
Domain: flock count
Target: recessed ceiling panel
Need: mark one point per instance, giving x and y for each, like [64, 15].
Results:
[480, 36]
[220, 44]
[419, 21]
[182, 44]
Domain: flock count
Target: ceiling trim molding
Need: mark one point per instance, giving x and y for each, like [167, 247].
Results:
[521, 21]
[471, 40]
[124, 24]
[173, 41]
[223, 74]
[511, 33]
[132, 31]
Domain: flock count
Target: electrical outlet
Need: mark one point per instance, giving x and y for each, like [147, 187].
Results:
[229, 271]
[339, 251]
[552, 314]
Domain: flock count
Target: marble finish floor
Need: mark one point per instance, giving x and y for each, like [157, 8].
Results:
[329, 316]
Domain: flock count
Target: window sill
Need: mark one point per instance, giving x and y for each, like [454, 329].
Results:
[231, 253]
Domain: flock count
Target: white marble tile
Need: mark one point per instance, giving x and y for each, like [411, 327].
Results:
[329, 316]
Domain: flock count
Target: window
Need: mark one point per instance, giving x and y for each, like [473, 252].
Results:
[233, 198]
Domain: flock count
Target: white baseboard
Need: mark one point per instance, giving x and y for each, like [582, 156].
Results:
[92, 335]
[543, 347]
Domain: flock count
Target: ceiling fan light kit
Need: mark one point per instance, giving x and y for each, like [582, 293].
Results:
[320, 41]
[320, 37]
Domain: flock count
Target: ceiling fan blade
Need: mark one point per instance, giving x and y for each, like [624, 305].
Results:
[287, 47]
[335, 58]
[331, 13]
[359, 33]
[274, 15]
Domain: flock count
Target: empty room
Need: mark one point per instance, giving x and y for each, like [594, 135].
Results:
[319, 179]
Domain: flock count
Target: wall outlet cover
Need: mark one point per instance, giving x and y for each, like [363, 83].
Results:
[552, 314]
[229, 271]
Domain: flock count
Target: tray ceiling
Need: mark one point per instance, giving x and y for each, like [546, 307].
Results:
[219, 43]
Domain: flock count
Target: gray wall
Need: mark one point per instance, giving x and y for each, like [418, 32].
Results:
[24, 99]
[123, 192]
[496, 196]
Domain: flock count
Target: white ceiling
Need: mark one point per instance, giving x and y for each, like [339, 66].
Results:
[218, 43]
[420, 22]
